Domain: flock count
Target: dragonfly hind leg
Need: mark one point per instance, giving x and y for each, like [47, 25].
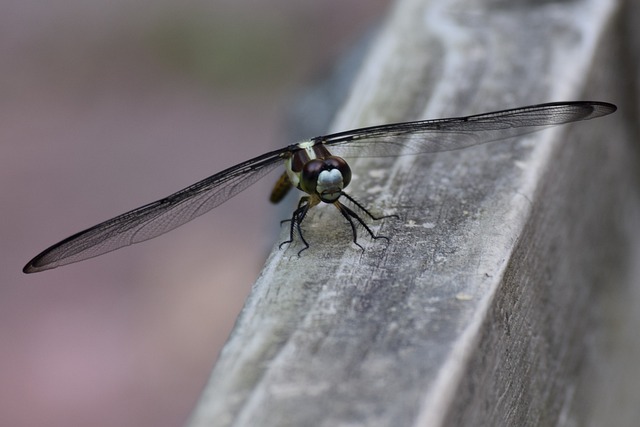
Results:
[365, 210]
[350, 215]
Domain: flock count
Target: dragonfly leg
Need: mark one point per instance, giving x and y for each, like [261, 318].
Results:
[369, 214]
[350, 215]
[365, 210]
[296, 219]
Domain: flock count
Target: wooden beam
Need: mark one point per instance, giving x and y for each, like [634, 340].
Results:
[478, 310]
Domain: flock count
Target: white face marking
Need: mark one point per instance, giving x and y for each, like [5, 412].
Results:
[329, 184]
[329, 178]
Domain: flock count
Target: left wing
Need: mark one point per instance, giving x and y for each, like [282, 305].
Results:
[157, 218]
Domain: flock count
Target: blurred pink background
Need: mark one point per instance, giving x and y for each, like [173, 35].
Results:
[106, 106]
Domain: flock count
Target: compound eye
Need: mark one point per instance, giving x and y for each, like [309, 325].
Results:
[309, 176]
[339, 163]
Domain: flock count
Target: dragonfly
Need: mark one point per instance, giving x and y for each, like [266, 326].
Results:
[317, 167]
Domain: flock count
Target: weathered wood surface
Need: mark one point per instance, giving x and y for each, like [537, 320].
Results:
[484, 307]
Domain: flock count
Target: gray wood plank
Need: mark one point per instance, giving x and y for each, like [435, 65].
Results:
[477, 312]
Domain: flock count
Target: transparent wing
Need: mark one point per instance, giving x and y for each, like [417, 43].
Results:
[430, 136]
[158, 217]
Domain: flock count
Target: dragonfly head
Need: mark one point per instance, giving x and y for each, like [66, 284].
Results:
[325, 177]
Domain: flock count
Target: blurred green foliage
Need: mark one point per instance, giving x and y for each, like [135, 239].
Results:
[235, 52]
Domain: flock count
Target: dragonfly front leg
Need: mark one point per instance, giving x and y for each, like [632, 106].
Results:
[296, 219]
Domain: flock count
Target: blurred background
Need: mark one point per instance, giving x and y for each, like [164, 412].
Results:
[106, 106]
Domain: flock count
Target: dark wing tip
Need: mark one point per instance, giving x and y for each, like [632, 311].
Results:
[590, 109]
[604, 108]
[30, 268]
[33, 267]
[40, 263]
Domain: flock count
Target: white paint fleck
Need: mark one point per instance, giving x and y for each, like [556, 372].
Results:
[462, 296]
[520, 164]
[377, 173]
[412, 224]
